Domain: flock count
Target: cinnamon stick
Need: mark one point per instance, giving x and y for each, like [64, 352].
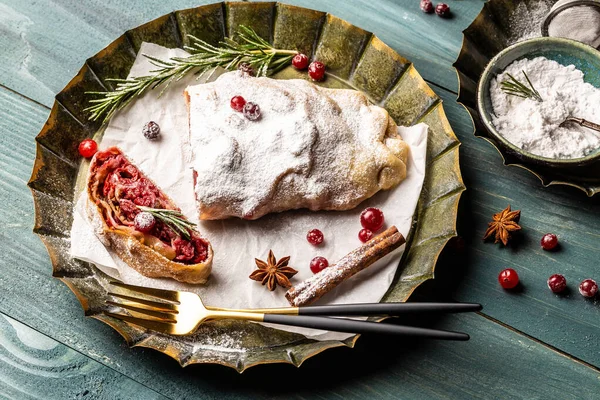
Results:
[316, 286]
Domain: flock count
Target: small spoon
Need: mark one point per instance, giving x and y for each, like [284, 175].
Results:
[582, 122]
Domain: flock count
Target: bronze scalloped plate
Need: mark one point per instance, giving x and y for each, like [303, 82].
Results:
[355, 59]
[492, 31]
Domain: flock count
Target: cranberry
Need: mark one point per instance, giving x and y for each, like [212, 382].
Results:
[365, 235]
[549, 241]
[144, 222]
[316, 70]
[588, 288]
[190, 251]
[442, 10]
[426, 6]
[372, 219]
[151, 130]
[201, 250]
[508, 278]
[237, 103]
[314, 237]
[88, 148]
[128, 209]
[251, 111]
[300, 61]
[318, 264]
[557, 283]
[246, 69]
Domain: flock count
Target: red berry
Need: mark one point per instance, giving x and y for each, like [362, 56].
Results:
[426, 6]
[144, 222]
[251, 111]
[508, 278]
[557, 283]
[151, 130]
[88, 148]
[318, 264]
[300, 61]
[316, 70]
[442, 10]
[314, 237]
[365, 235]
[237, 103]
[246, 69]
[372, 219]
[588, 288]
[549, 241]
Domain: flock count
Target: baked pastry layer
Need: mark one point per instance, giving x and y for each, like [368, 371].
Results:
[313, 147]
[116, 188]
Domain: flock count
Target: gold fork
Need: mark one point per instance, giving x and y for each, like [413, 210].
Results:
[180, 313]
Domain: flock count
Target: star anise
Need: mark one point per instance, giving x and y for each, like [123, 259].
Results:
[273, 272]
[503, 223]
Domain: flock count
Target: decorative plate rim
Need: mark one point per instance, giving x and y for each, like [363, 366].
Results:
[56, 166]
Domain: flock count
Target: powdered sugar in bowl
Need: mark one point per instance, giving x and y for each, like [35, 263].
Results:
[556, 78]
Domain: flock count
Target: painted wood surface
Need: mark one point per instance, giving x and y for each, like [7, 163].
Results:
[43, 47]
[26, 271]
[569, 322]
[35, 366]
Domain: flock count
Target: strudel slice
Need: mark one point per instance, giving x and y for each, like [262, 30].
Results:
[118, 192]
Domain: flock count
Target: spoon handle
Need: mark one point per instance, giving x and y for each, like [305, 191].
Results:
[590, 125]
[585, 123]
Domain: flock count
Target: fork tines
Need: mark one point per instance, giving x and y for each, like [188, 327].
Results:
[163, 294]
[158, 315]
[154, 325]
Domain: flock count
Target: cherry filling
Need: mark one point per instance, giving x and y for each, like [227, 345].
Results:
[119, 188]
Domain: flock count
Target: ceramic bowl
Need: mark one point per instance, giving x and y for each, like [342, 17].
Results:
[565, 52]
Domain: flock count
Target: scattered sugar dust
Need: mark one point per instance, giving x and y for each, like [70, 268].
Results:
[526, 20]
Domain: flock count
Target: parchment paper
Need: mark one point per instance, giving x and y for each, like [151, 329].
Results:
[237, 242]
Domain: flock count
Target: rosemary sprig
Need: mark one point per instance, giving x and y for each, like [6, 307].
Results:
[513, 87]
[252, 49]
[173, 219]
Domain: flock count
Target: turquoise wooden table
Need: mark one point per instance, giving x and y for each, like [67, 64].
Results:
[525, 344]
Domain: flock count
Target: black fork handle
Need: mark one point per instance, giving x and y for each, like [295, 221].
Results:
[367, 309]
[352, 326]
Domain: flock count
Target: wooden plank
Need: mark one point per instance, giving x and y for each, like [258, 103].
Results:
[496, 363]
[45, 304]
[44, 47]
[569, 322]
[35, 366]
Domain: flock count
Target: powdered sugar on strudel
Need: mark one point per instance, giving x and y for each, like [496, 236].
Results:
[313, 147]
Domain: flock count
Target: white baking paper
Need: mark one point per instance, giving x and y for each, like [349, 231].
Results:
[237, 242]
